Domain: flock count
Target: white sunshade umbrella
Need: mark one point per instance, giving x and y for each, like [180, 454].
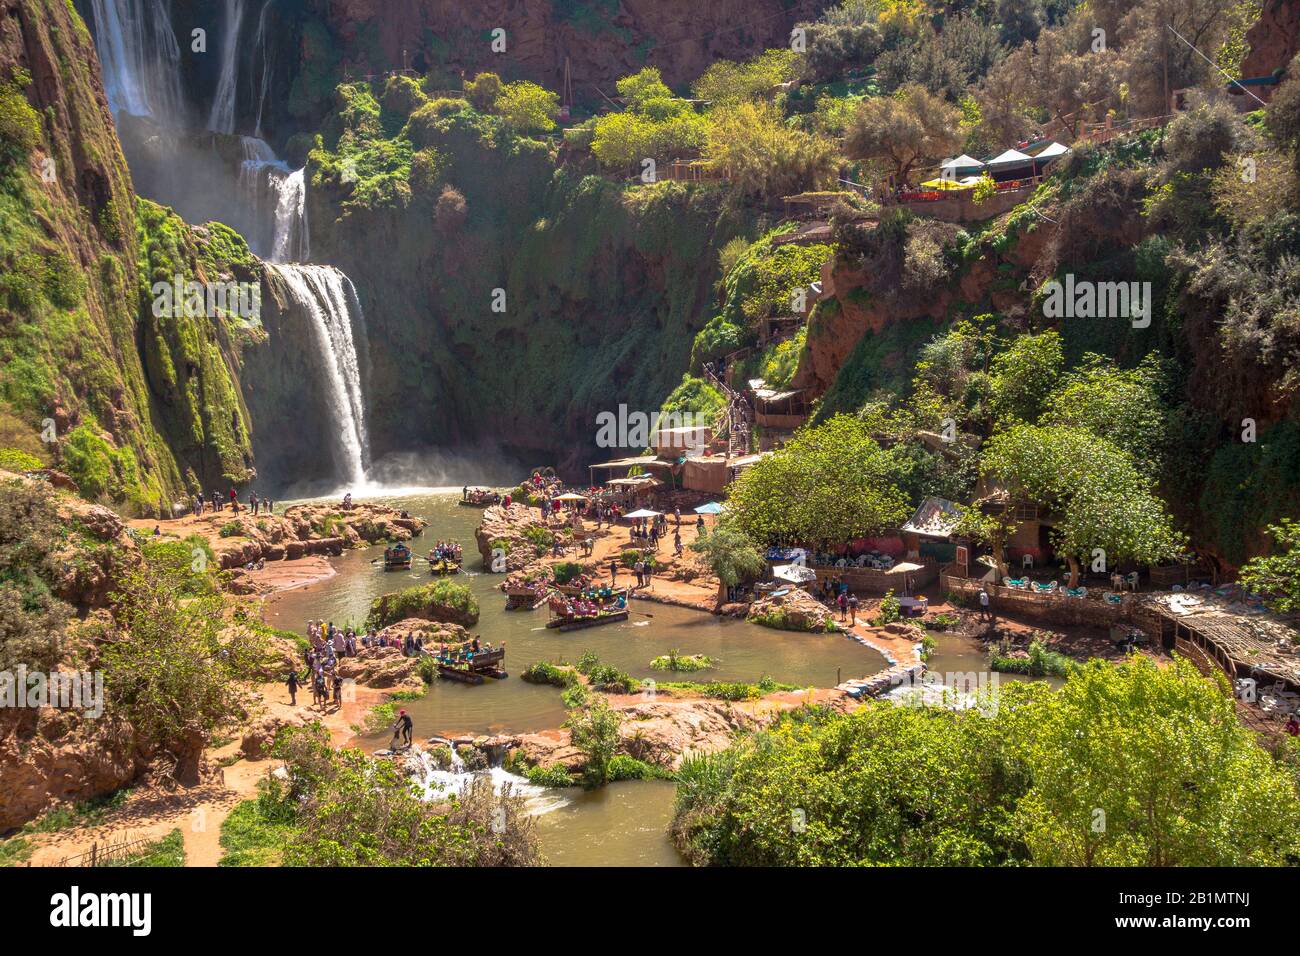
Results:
[570, 496]
[794, 573]
[643, 513]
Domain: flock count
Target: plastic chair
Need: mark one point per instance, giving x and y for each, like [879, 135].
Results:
[1026, 560]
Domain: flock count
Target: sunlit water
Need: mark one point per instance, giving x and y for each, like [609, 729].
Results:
[744, 652]
[621, 825]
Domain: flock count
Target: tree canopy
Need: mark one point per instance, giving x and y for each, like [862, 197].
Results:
[830, 483]
[1127, 765]
[1098, 496]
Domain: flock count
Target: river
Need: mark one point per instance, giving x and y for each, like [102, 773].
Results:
[624, 824]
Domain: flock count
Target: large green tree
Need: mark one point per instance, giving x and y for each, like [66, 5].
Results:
[1127, 765]
[1277, 576]
[730, 555]
[912, 130]
[1140, 765]
[1096, 493]
[830, 483]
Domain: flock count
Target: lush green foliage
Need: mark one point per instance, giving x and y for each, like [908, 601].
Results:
[831, 483]
[1127, 765]
[440, 600]
[1277, 576]
[340, 808]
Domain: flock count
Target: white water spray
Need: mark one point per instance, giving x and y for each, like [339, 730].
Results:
[330, 303]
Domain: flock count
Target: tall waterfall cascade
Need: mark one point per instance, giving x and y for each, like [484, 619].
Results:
[329, 302]
[290, 243]
[222, 117]
[140, 58]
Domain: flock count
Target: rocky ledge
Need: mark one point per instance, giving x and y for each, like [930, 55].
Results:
[300, 530]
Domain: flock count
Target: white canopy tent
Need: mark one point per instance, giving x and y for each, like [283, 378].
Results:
[1010, 159]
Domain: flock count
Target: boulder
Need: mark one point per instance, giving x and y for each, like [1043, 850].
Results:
[793, 610]
[260, 735]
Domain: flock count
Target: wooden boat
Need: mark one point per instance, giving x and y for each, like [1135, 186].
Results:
[524, 598]
[441, 566]
[480, 498]
[397, 558]
[474, 669]
[593, 620]
[465, 676]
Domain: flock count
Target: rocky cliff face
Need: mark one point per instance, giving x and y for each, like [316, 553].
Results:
[555, 297]
[1274, 40]
[142, 407]
[601, 40]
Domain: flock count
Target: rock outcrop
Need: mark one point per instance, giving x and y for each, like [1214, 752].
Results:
[792, 610]
[237, 539]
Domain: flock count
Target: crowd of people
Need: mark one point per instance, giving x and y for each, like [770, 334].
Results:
[215, 503]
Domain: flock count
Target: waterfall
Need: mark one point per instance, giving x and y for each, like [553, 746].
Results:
[222, 117]
[329, 301]
[140, 58]
[290, 244]
[261, 181]
[264, 54]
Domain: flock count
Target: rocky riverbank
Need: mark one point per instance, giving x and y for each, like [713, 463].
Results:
[299, 531]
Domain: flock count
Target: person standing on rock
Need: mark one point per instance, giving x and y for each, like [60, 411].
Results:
[292, 683]
[613, 571]
[403, 727]
[986, 613]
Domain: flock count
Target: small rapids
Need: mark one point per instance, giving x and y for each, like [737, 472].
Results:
[438, 784]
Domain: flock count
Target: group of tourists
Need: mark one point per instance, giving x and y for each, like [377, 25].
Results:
[453, 654]
[215, 503]
[447, 551]
[326, 644]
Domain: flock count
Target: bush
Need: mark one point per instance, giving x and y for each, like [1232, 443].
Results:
[623, 767]
[566, 571]
[20, 125]
[231, 529]
[555, 776]
[544, 672]
[674, 661]
[442, 600]
[1040, 662]
[482, 91]
[890, 610]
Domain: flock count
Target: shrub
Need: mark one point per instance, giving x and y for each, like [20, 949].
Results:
[441, 600]
[20, 125]
[890, 610]
[483, 90]
[555, 776]
[544, 672]
[674, 661]
[566, 571]
[231, 529]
